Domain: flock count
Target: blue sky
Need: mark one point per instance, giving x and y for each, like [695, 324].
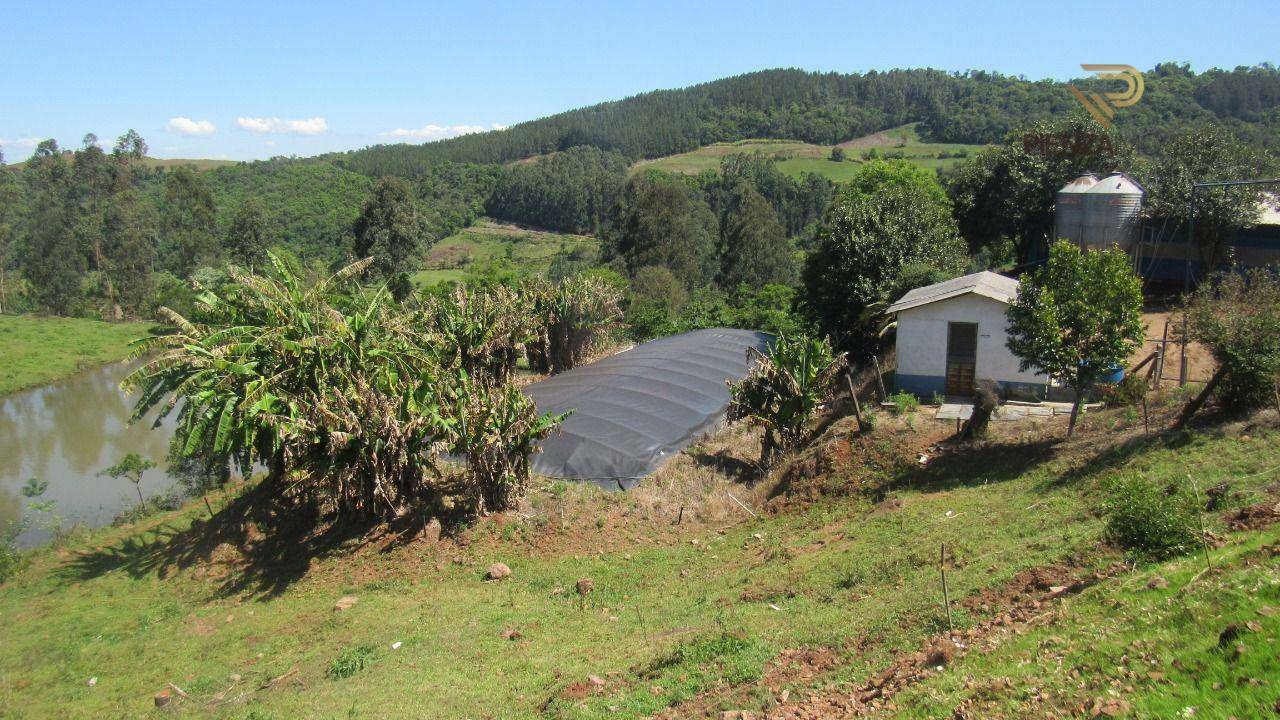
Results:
[253, 80]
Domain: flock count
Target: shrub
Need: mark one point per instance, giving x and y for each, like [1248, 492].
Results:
[1150, 521]
[904, 402]
[1126, 393]
[351, 661]
[1238, 318]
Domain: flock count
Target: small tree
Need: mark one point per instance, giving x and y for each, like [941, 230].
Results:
[1238, 319]
[1077, 317]
[131, 468]
[784, 390]
[837, 154]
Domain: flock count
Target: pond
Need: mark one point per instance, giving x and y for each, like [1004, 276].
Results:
[66, 434]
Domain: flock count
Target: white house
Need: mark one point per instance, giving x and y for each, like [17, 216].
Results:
[951, 335]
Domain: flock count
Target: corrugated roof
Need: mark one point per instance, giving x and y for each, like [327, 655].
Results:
[985, 283]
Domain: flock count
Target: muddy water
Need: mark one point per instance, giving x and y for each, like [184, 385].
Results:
[66, 433]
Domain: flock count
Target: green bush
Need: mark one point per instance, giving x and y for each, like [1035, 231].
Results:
[904, 402]
[1150, 521]
[1238, 319]
[351, 661]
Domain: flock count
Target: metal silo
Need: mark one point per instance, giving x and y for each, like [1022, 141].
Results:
[1111, 211]
[1069, 214]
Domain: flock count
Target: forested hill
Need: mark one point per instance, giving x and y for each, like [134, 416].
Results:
[827, 108]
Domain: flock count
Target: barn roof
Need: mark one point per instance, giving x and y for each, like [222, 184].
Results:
[633, 410]
[985, 283]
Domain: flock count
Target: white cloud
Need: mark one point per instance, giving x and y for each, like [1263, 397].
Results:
[262, 126]
[427, 133]
[27, 143]
[187, 126]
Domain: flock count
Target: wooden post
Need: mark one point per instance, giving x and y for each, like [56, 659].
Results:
[946, 593]
[853, 397]
[880, 379]
[1146, 418]
[1164, 353]
[1182, 372]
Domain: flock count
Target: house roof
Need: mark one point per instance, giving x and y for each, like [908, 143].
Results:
[985, 283]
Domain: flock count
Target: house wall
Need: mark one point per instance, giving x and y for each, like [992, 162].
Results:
[922, 348]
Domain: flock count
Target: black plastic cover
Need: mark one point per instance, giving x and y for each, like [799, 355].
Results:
[633, 410]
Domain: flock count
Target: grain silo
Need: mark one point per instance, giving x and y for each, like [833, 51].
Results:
[1069, 208]
[1111, 210]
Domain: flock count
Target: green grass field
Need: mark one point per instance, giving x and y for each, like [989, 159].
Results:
[796, 158]
[35, 350]
[680, 613]
[531, 250]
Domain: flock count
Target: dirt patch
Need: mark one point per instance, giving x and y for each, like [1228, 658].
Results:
[1256, 516]
[845, 462]
[1023, 601]
[876, 140]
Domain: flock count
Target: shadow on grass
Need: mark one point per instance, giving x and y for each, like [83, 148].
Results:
[737, 469]
[967, 466]
[258, 545]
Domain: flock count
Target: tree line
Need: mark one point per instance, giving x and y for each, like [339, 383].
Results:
[828, 108]
[103, 233]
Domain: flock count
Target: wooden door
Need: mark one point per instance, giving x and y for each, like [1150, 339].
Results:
[962, 358]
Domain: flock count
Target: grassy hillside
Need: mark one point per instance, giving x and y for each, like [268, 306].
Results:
[797, 158]
[695, 606]
[35, 350]
[531, 250]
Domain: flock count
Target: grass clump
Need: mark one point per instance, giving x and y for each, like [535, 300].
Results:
[351, 661]
[1151, 522]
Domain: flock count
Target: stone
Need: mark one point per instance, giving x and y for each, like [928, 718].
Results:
[1157, 583]
[498, 571]
[346, 602]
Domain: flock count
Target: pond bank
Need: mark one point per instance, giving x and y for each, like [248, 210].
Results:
[35, 350]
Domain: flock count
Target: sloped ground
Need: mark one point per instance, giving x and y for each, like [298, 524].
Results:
[694, 607]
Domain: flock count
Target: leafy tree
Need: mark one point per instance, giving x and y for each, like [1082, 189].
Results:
[130, 146]
[50, 256]
[389, 231]
[756, 251]
[131, 467]
[1238, 318]
[1077, 317]
[128, 255]
[188, 217]
[1205, 154]
[783, 391]
[246, 242]
[665, 222]
[864, 244]
[837, 153]
[10, 203]
[1009, 191]
[657, 297]
[878, 175]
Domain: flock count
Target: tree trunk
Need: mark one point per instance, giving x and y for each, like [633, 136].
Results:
[1193, 406]
[1075, 412]
[141, 501]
